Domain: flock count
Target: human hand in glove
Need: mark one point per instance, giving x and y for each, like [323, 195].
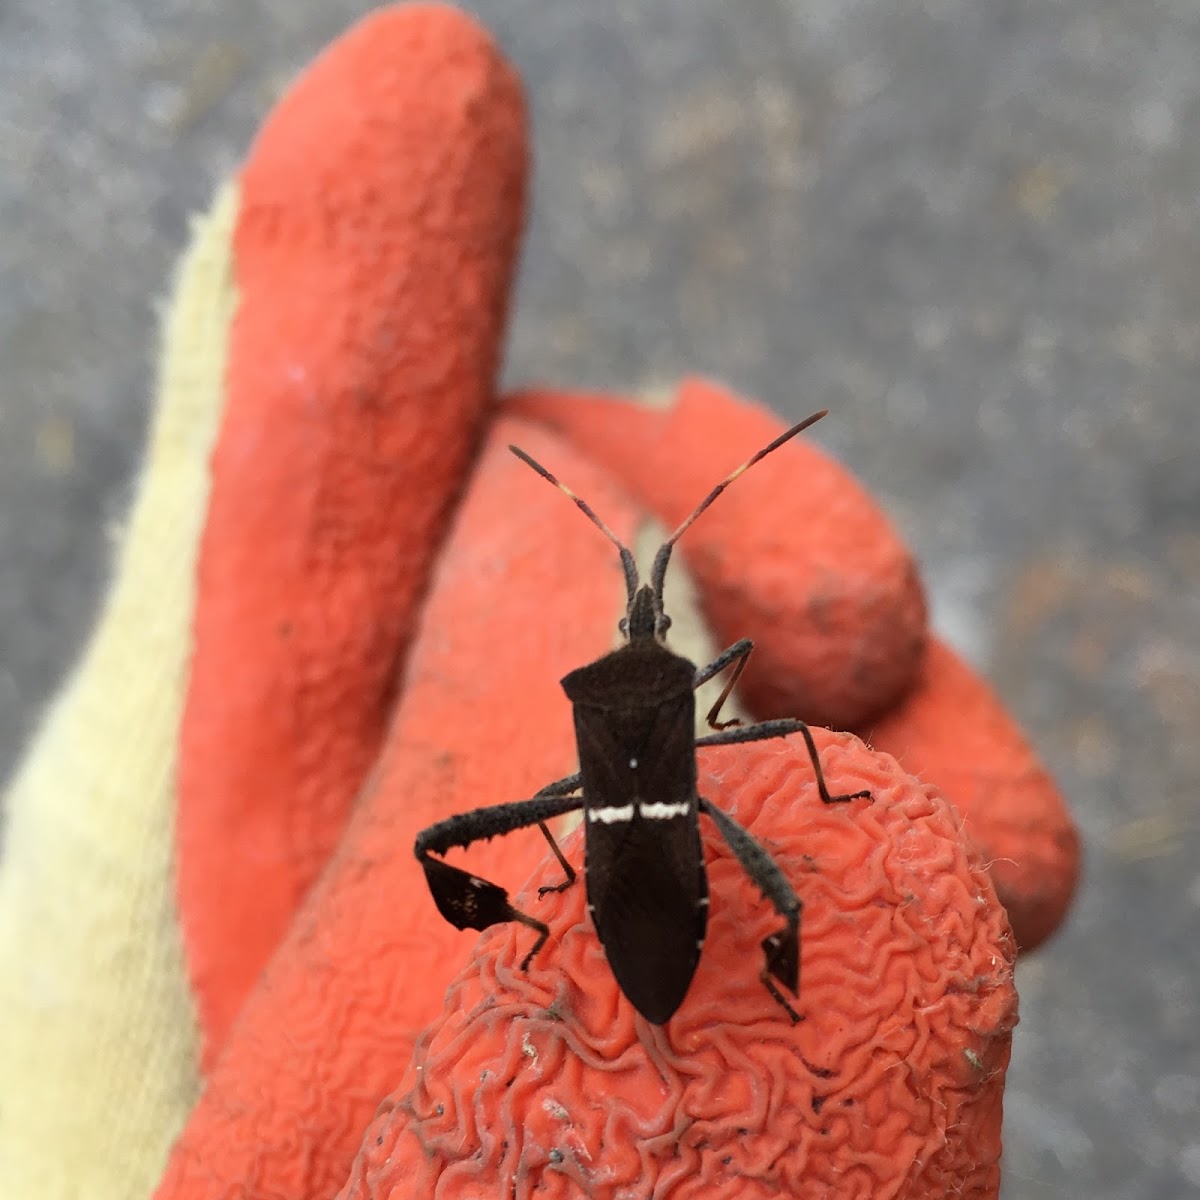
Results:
[340, 613]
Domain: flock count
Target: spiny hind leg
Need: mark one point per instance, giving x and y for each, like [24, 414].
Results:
[469, 902]
[781, 950]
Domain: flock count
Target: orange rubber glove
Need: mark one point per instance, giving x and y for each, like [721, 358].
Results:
[385, 600]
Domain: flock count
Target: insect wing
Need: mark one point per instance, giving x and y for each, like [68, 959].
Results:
[646, 884]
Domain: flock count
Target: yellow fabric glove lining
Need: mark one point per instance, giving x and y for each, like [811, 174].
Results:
[97, 1026]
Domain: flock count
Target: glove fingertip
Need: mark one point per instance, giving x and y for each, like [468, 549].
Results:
[893, 1078]
[953, 731]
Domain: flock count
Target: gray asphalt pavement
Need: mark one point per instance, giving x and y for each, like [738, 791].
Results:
[972, 230]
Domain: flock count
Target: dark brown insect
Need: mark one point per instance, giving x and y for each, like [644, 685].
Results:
[647, 889]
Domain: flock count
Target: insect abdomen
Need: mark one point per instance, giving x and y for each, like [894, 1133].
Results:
[650, 910]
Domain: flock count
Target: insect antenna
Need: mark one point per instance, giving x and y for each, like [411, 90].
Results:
[663, 557]
[627, 563]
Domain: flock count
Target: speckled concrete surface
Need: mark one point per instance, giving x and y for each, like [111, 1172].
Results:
[973, 230]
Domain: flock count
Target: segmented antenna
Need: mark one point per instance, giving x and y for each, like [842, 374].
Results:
[627, 563]
[663, 557]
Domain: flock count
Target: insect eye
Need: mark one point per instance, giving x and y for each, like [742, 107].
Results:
[623, 626]
[663, 624]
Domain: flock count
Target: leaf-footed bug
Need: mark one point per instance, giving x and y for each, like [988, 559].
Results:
[634, 714]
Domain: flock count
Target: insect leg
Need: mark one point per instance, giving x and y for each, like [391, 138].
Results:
[781, 728]
[781, 949]
[467, 901]
[568, 870]
[739, 652]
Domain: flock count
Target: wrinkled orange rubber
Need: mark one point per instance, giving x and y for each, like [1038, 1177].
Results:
[796, 554]
[953, 731]
[518, 598]
[360, 367]
[547, 1083]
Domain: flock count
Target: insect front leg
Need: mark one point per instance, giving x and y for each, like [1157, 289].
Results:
[781, 950]
[739, 652]
[782, 728]
[467, 901]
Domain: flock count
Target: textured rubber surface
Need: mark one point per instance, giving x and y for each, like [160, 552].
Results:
[548, 1083]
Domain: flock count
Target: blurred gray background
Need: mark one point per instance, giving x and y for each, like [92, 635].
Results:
[972, 229]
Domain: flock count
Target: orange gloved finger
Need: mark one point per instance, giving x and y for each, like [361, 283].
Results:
[953, 731]
[378, 220]
[892, 1084]
[519, 596]
[799, 557]
[796, 555]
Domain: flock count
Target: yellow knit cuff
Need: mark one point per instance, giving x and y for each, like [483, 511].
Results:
[98, 1034]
